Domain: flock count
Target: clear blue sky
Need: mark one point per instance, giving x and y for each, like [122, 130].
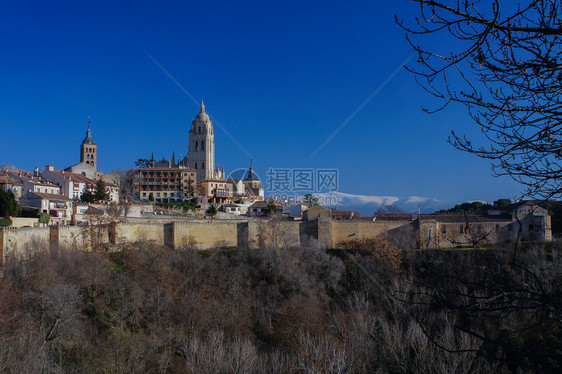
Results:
[280, 76]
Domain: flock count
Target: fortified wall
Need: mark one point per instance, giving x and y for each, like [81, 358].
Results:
[257, 233]
[204, 234]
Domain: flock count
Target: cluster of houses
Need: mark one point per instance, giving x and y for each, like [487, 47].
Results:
[53, 192]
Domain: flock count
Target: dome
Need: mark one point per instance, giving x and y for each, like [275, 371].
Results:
[202, 116]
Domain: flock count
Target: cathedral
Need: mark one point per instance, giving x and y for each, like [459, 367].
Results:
[201, 148]
[198, 166]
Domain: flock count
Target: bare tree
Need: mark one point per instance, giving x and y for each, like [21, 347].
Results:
[503, 62]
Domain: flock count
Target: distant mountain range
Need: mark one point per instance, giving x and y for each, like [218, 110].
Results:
[367, 205]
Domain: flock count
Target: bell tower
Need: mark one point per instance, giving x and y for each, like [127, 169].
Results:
[89, 149]
[201, 147]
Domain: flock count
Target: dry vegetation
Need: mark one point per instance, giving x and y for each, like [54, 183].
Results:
[150, 309]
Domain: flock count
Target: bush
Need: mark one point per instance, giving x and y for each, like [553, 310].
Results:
[380, 248]
[5, 222]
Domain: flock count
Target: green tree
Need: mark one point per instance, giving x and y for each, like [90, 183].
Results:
[190, 191]
[101, 193]
[8, 204]
[212, 210]
[151, 197]
[88, 197]
[271, 206]
[44, 218]
[310, 200]
[143, 163]
[500, 203]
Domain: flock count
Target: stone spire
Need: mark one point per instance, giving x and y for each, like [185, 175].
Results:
[251, 176]
[88, 139]
[202, 107]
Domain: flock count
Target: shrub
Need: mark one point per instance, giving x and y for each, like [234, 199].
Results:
[379, 247]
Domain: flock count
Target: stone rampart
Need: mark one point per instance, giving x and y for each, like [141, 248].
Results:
[402, 232]
[20, 242]
[204, 234]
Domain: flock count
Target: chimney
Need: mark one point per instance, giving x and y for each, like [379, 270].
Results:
[36, 171]
[50, 167]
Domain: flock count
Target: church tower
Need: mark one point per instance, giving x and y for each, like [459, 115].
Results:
[89, 149]
[201, 147]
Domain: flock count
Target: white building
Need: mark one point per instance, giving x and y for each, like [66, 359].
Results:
[75, 185]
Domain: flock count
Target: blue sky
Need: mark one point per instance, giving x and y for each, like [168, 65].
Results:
[280, 76]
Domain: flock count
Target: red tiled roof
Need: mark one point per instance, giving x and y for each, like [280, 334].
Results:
[79, 178]
[462, 218]
[166, 169]
[31, 178]
[258, 204]
[369, 218]
[394, 217]
[74, 177]
[50, 196]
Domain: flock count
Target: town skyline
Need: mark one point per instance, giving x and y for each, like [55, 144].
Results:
[280, 101]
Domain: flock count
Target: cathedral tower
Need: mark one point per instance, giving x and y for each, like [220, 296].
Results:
[89, 149]
[201, 147]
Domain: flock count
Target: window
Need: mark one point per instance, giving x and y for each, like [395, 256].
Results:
[202, 165]
[479, 229]
[157, 194]
[461, 229]
[444, 229]
[497, 228]
[196, 165]
[196, 146]
[202, 146]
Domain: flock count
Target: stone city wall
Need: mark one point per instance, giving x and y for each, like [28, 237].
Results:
[205, 234]
[404, 233]
[20, 242]
[251, 233]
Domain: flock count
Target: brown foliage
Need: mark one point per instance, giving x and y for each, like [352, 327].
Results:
[380, 248]
[147, 309]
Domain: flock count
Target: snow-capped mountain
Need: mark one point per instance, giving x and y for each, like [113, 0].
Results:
[367, 205]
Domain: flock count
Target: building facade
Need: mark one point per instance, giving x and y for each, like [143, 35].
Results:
[216, 191]
[166, 184]
[59, 207]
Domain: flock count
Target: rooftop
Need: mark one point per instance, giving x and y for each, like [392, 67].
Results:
[50, 196]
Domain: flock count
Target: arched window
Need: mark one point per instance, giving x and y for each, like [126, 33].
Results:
[196, 146]
[202, 165]
[196, 165]
[202, 146]
[199, 129]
